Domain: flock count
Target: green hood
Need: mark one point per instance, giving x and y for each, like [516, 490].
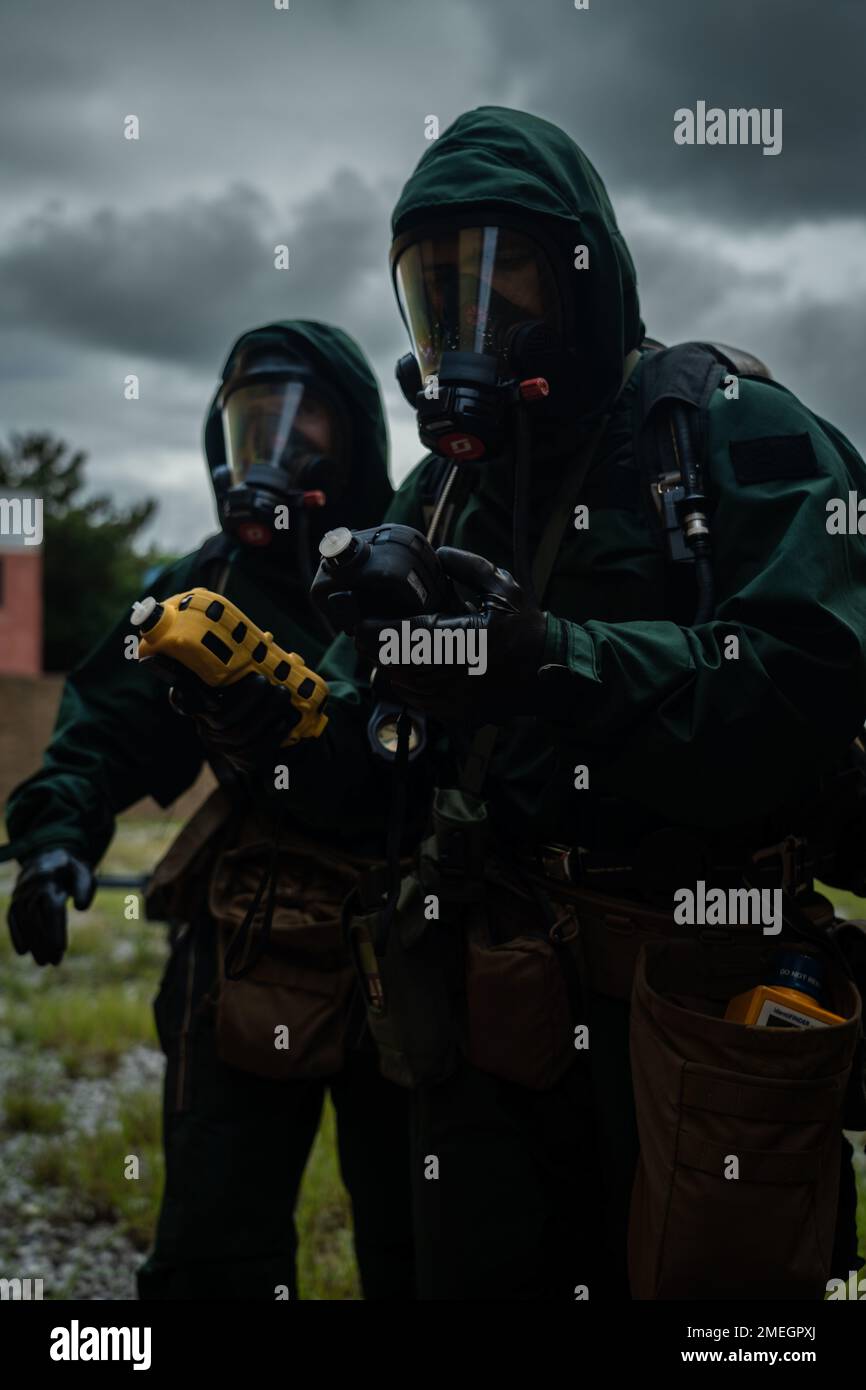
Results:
[343, 364]
[497, 159]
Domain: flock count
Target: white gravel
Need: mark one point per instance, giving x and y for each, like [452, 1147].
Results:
[41, 1233]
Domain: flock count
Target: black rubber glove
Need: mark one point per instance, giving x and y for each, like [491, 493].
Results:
[509, 638]
[245, 723]
[37, 912]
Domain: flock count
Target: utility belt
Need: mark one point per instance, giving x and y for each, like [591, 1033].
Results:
[607, 891]
[652, 871]
[490, 954]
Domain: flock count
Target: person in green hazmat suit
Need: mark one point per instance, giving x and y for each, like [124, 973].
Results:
[297, 424]
[600, 729]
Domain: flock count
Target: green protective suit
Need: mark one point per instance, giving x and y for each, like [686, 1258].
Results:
[116, 740]
[674, 734]
[237, 1144]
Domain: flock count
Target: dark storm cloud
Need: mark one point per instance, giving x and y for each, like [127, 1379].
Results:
[228, 90]
[164, 293]
[698, 290]
[148, 447]
[820, 349]
[614, 74]
[225, 90]
[182, 282]
[260, 127]
[683, 285]
[152, 284]
[811, 339]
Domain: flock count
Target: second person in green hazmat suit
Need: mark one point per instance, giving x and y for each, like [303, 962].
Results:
[625, 747]
[296, 422]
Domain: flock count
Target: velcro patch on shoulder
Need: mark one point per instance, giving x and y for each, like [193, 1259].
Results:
[776, 456]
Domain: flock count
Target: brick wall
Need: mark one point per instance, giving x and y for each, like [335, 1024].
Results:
[28, 706]
[20, 611]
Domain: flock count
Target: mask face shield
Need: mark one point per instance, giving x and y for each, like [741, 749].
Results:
[285, 425]
[469, 290]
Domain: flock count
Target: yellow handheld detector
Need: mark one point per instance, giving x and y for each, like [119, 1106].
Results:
[205, 634]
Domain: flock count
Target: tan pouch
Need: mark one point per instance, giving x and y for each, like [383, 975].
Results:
[520, 1005]
[286, 1018]
[736, 1187]
[283, 1020]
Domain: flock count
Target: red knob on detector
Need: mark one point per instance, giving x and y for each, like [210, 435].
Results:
[314, 498]
[534, 388]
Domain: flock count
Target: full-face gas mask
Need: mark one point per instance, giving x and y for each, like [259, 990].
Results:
[485, 315]
[286, 449]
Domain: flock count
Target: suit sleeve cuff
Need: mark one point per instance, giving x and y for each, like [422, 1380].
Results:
[569, 647]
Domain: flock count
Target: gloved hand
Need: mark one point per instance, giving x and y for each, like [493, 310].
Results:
[245, 724]
[37, 912]
[504, 641]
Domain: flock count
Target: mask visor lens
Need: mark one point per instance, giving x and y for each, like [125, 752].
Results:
[280, 424]
[465, 290]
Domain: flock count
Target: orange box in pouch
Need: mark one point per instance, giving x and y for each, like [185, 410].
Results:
[791, 998]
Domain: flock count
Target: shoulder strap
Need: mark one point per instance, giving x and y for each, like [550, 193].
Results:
[687, 372]
[684, 375]
[676, 386]
[671, 433]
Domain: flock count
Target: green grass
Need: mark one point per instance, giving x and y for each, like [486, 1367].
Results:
[49, 1166]
[845, 904]
[326, 1262]
[25, 1111]
[139, 845]
[98, 1002]
[97, 1165]
[89, 1029]
[93, 1168]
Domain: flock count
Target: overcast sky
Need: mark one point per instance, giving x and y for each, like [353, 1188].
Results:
[260, 126]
